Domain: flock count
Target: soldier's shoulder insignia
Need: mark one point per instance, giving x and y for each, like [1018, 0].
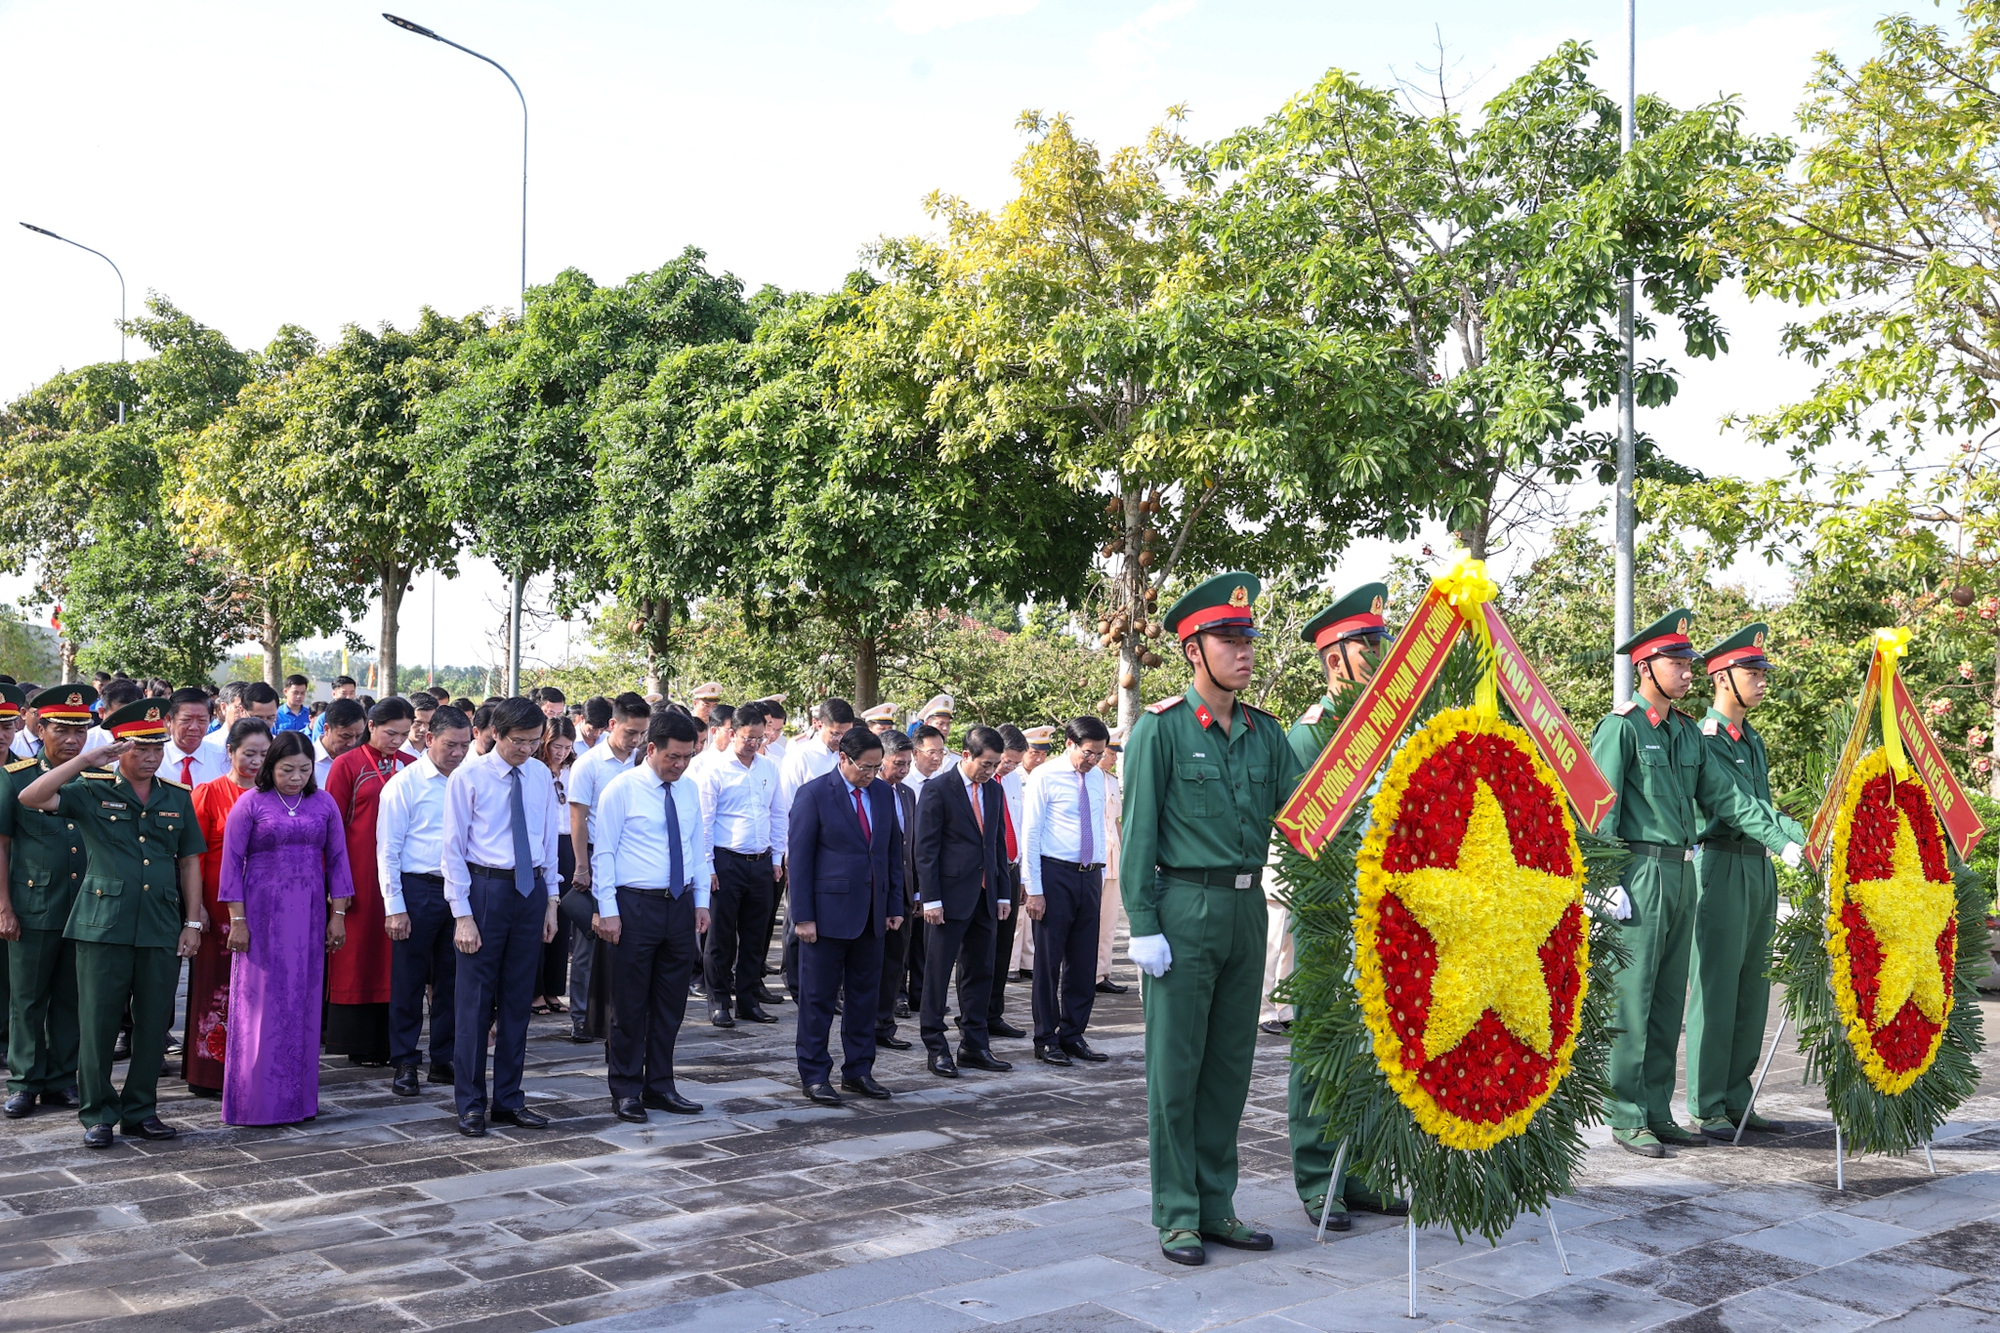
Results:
[1682, 714]
[22, 765]
[171, 783]
[1313, 715]
[1624, 708]
[1261, 712]
[1710, 727]
[1166, 703]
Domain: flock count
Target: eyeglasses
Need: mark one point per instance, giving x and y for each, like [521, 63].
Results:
[867, 768]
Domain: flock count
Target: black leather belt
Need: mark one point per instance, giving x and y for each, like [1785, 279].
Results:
[495, 872]
[746, 856]
[429, 879]
[654, 893]
[1661, 851]
[1217, 879]
[1749, 851]
[1077, 866]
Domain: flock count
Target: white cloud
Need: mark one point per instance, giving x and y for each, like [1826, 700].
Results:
[918, 16]
[1129, 50]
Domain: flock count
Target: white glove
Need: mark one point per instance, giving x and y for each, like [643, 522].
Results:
[1617, 904]
[1151, 954]
[1790, 856]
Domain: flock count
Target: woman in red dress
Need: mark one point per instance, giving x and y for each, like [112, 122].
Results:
[357, 978]
[208, 977]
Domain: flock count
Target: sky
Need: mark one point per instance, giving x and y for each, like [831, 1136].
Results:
[264, 164]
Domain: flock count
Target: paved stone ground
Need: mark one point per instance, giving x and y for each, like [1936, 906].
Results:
[1011, 1201]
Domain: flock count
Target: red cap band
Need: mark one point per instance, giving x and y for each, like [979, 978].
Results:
[1340, 629]
[1195, 621]
[1652, 647]
[1724, 661]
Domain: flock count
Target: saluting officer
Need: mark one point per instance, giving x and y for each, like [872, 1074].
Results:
[1736, 910]
[1204, 774]
[1348, 635]
[46, 864]
[1655, 759]
[138, 911]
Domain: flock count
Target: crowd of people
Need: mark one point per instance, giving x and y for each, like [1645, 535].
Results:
[406, 881]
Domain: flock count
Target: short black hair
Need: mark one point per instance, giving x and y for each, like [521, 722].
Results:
[1012, 737]
[257, 692]
[750, 715]
[630, 705]
[1086, 728]
[448, 718]
[721, 716]
[552, 695]
[924, 733]
[118, 692]
[243, 729]
[190, 695]
[232, 692]
[517, 714]
[482, 716]
[597, 711]
[670, 725]
[283, 746]
[857, 741]
[836, 710]
[423, 701]
[345, 680]
[296, 679]
[983, 740]
[895, 742]
[462, 704]
[390, 710]
[344, 713]
[772, 708]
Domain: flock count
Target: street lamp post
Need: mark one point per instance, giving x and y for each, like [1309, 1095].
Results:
[514, 617]
[1628, 453]
[44, 231]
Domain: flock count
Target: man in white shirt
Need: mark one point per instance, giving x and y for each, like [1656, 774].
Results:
[500, 828]
[747, 823]
[345, 725]
[618, 749]
[425, 704]
[652, 875]
[775, 744]
[1012, 784]
[409, 865]
[1063, 838]
[721, 740]
[191, 758]
[813, 756]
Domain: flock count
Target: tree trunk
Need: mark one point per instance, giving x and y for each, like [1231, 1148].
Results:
[659, 624]
[395, 582]
[867, 672]
[1133, 581]
[271, 639]
[1993, 722]
[1475, 538]
[66, 654]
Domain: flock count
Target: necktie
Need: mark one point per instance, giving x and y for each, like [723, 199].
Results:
[1007, 828]
[861, 813]
[979, 806]
[676, 867]
[517, 819]
[1083, 799]
[187, 771]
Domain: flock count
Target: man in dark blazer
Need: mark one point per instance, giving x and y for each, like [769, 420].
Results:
[897, 750]
[962, 874]
[845, 868]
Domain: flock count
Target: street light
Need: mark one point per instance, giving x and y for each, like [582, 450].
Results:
[1628, 453]
[44, 231]
[514, 619]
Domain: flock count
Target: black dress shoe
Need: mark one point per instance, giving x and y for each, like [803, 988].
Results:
[670, 1101]
[576, 1034]
[628, 1108]
[1080, 1049]
[443, 1074]
[719, 1017]
[121, 1047]
[865, 1085]
[20, 1104]
[765, 995]
[62, 1097]
[173, 1051]
[152, 1127]
[823, 1094]
[1110, 987]
[1000, 1027]
[206, 1094]
[942, 1066]
[405, 1082]
[902, 1008]
[473, 1124]
[753, 1013]
[1053, 1055]
[892, 1041]
[1274, 1027]
[97, 1136]
[519, 1116]
[969, 1059]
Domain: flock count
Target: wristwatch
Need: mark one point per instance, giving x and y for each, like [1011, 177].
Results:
[190, 925]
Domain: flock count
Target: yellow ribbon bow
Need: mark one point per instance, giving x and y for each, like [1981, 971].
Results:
[1891, 644]
[1467, 587]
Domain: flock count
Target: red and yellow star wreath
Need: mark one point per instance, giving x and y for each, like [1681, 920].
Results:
[1471, 940]
[1892, 924]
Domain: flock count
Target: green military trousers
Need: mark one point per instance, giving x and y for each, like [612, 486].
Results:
[41, 1009]
[107, 975]
[1735, 915]
[1201, 1032]
[1652, 989]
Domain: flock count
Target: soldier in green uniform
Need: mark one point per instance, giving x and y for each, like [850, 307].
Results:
[138, 911]
[1736, 907]
[1348, 635]
[46, 863]
[1204, 774]
[1665, 776]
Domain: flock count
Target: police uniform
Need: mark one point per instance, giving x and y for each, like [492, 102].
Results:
[880, 718]
[1736, 912]
[1665, 777]
[126, 924]
[46, 865]
[1198, 804]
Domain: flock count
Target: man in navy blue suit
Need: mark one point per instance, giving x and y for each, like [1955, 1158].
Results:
[846, 873]
[961, 868]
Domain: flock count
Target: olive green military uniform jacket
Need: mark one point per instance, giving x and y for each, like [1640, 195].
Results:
[131, 892]
[1737, 750]
[47, 862]
[1658, 764]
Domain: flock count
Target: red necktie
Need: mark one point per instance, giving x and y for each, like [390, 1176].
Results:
[861, 813]
[1007, 823]
[187, 771]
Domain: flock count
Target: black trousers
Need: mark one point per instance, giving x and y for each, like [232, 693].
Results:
[650, 968]
[494, 988]
[739, 924]
[967, 944]
[895, 956]
[1066, 952]
[427, 959]
[829, 970]
[555, 954]
[1003, 947]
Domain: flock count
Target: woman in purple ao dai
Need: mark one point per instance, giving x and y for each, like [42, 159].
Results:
[286, 884]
